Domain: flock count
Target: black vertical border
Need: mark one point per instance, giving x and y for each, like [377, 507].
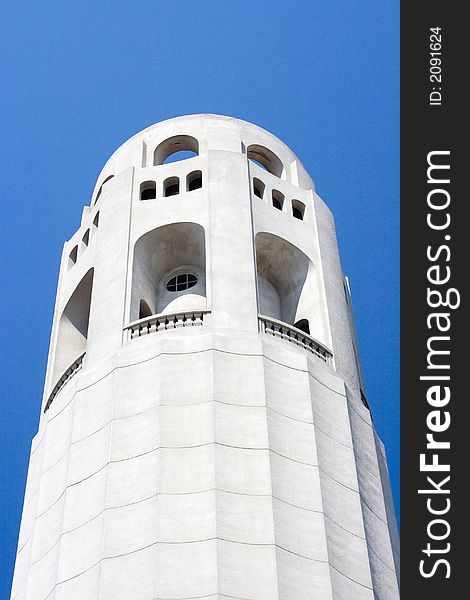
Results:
[424, 129]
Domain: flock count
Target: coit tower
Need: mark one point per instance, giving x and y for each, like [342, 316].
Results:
[204, 432]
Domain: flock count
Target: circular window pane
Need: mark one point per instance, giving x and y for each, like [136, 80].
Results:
[181, 282]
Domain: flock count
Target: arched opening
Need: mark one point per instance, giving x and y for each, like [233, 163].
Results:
[289, 286]
[298, 209]
[180, 155]
[278, 199]
[171, 187]
[258, 187]
[144, 310]
[96, 220]
[282, 272]
[73, 327]
[148, 190]
[86, 238]
[178, 147]
[101, 188]
[169, 270]
[259, 165]
[194, 181]
[73, 256]
[265, 158]
[303, 326]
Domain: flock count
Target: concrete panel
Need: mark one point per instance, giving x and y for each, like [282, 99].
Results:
[85, 501]
[300, 578]
[296, 483]
[330, 412]
[136, 390]
[53, 484]
[130, 528]
[42, 576]
[348, 554]
[135, 435]
[29, 513]
[242, 471]
[93, 409]
[47, 530]
[374, 498]
[240, 426]
[186, 517]
[384, 580]
[90, 455]
[186, 425]
[337, 460]
[291, 438]
[345, 589]
[300, 531]
[342, 505]
[59, 435]
[247, 571]
[85, 586]
[132, 480]
[186, 570]
[378, 539]
[63, 398]
[184, 470]
[185, 378]
[129, 576]
[240, 378]
[285, 391]
[20, 575]
[242, 518]
[73, 560]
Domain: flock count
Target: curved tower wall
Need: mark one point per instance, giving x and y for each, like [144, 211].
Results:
[191, 444]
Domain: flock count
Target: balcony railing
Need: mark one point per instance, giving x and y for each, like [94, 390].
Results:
[295, 336]
[156, 323]
[69, 373]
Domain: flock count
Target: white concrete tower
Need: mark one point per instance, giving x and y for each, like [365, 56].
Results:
[204, 431]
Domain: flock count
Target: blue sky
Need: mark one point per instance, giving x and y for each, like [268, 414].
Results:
[80, 78]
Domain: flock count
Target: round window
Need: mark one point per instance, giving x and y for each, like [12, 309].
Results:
[181, 282]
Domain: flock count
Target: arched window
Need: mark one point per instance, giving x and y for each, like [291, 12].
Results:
[179, 155]
[144, 310]
[169, 270]
[258, 187]
[282, 272]
[265, 158]
[73, 256]
[298, 209]
[171, 186]
[303, 326]
[259, 165]
[194, 181]
[101, 188]
[278, 199]
[72, 331]
[181, 146]
[96, 220]
[148, 190]
[289, 286]
[86, 238]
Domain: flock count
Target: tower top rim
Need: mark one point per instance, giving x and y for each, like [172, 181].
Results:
[233, 134]
[206, 117]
